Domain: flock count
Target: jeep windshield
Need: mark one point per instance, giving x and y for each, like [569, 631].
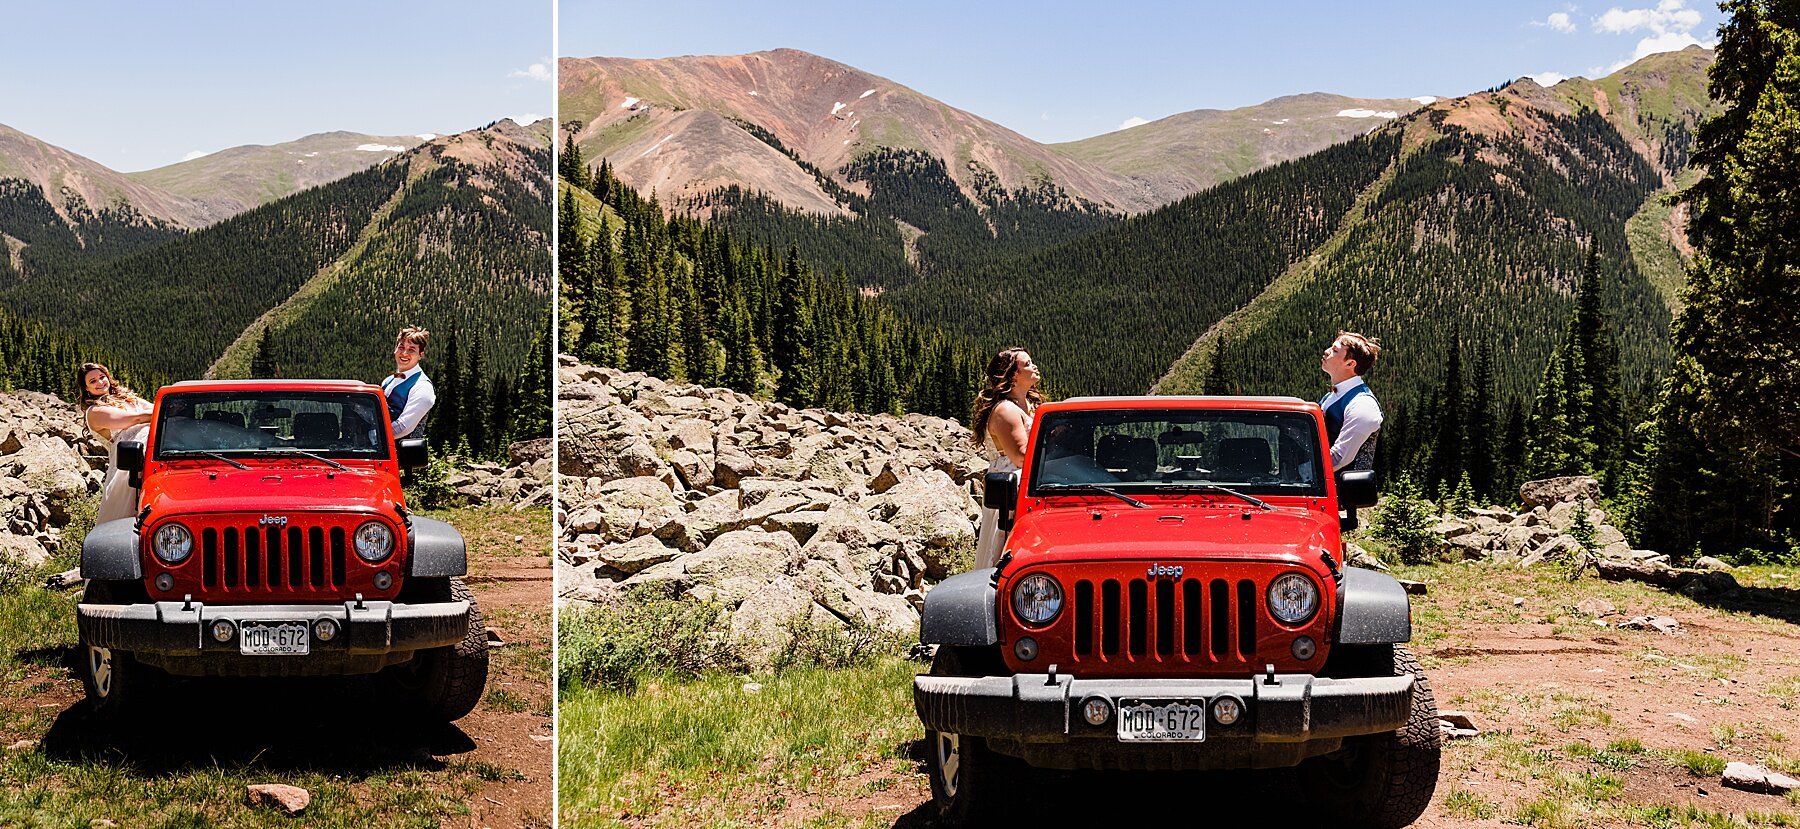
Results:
[1135, 451]
[299, 424]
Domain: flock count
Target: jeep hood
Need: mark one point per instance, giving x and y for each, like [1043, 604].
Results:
[1170, 533]
[288, 488]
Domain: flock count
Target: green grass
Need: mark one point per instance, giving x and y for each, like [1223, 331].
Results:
[1698, 763]
[706, 752]
[1465, 804]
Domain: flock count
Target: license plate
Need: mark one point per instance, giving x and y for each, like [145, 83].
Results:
[274, 639]
[1161, 721]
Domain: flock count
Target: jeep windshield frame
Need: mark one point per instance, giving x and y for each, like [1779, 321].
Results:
[271, 423]
[1142, 451]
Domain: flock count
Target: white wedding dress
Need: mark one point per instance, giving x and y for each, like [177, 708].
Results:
[989, 540]
[118, 498]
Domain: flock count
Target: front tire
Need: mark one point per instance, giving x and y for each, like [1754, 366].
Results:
[448, 681]
[112, 680]
[1383, 781]
[967, 780]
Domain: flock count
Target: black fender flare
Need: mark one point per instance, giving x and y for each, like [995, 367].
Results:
[437, 550]
[110, 552]
[960, 611]
[1373, 609]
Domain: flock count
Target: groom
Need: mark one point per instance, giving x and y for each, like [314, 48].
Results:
[410, 394]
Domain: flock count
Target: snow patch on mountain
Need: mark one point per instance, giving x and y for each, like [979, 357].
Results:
[1367, 113]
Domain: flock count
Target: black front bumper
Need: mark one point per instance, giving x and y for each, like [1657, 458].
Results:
[1284, 721]
[176, 637]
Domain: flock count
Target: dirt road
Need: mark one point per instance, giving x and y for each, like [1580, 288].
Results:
[1583, 724]
[365, 759]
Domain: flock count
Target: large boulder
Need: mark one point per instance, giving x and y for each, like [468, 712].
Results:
[1549, 491]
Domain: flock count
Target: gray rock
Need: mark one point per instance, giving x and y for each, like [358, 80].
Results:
[289, 799]
[1556, 490]
[1757, 778]
[1710, 563]
[1660, 624]
[637, 555]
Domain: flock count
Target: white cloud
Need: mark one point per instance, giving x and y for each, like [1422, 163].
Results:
[1367, 113]
[1133, 121]
[1668, 27]
[526, 119]
[1548, 78]
[536, 72]
[195, 154]
[380, 148]
[1557, 20]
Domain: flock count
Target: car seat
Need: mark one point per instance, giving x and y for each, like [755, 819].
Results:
[1242, 459]
[315, 428]
[233, 418]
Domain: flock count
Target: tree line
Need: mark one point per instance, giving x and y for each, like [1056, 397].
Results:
[679, 298]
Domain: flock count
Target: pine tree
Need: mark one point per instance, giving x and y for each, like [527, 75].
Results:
[1447, 451]
[1483, 448]
[262, 365]
[791, 329]
[1221, 375]
[1726, 443]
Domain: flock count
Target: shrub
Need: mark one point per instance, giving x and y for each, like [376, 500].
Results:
[647, 632]
[428, 486]
[1583, 530]
[854, 644]
[1403, 522]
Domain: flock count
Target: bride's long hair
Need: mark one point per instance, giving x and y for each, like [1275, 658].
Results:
[999, 380]
[117, 393]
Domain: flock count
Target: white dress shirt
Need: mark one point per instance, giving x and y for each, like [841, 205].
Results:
[1362, 416]
[419, 400]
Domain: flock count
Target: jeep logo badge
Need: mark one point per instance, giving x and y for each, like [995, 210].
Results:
[274, 521]
[1164, 570]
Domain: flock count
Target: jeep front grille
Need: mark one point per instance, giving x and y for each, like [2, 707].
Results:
[1203, 621]
[290, 559]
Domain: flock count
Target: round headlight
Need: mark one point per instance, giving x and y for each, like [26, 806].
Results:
[1037, 599]
[1293, 598]
[374, 541]
[173, 543]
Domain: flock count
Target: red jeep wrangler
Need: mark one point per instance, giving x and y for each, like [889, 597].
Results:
[1173, 596]
[274, 540]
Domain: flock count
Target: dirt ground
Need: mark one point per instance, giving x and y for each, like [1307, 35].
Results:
[496, 762]
[1583, 724]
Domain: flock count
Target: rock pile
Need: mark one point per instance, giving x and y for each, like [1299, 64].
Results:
[1539, 533]
[524, 481]
[774, 513]
[48, 462]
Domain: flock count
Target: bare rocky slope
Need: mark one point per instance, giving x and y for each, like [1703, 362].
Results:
[666, 126]
[1190, 151]
[773, 513]
[233, 180]
[60, 174]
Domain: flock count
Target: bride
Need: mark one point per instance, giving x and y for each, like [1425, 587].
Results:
[115, 414]
[1002, 415]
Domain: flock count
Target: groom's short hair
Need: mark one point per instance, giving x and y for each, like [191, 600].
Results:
[414, 335]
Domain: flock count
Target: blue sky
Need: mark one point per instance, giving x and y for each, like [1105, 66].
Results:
[139, 85]
[1059, 71]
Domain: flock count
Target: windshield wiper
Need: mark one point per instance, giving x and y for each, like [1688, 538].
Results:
[200, 453]
[1222, 490]
[1094, 488]
[304, 453]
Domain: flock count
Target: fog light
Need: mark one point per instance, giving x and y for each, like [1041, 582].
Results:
[325, 630]
[1025, 649]
[384, 580]
[165, 582]
[1096, 710]
[1227, 710]
[1304, 648]
[222, 630]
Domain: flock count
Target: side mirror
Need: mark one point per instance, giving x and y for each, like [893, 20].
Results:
[1001, 495]
[131, 459]
[1357, 489]
[411, 453]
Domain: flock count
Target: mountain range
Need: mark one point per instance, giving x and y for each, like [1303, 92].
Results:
[453, 234]
[1124, 260]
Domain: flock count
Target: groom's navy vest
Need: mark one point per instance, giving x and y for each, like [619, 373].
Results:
[396, 400]
[1334, 424]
